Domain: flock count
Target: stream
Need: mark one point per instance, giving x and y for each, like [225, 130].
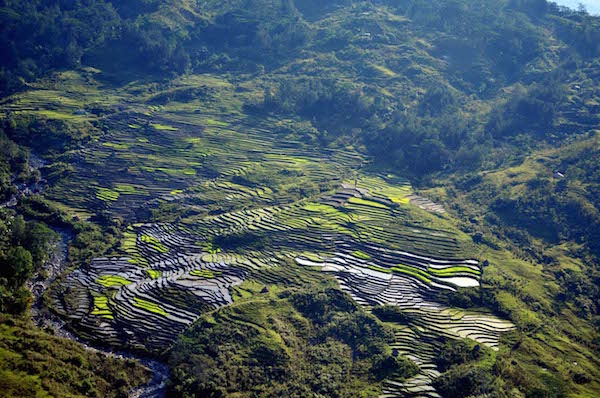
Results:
[43, 318]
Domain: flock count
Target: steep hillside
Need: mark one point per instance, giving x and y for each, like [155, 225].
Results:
[427, 171]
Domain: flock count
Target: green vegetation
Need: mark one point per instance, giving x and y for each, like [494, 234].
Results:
[421, 275]
[33, 362]
[467, 370]
[107, 194]
[370, 203]
[154, 274]
[36, 364]
[113, 280]
[149, 306]
[452, 270]
[204, 273]
[380, 269]
[164, 127]
[91, 241]
[24, 247]
[13, 164]
[319, 208]
[389, 313]
[154, 243]
[360, 254]
[236, 138]
[101, 307]
[115, 146]
[294, 337]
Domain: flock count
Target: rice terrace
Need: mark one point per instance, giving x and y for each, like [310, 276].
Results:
[267, 198]
[254, 212]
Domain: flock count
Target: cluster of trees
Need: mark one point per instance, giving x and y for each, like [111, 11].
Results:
[528, 111]
[89, 239]
[553, 211]
[159, 37]
[466, 369]
[44, 35]
[323, 99]
[422, 140]
[295, 343]
[38, 36]
[14, 166]
[45, 136]
[423, 145]
[24, 247]
[429, 137]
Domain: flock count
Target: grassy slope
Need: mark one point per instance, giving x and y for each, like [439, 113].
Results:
[526, 277]
[34, 363]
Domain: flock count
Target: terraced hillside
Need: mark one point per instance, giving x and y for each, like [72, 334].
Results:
[250, 205]
[189, 152]
[301, 173]
[169, 274]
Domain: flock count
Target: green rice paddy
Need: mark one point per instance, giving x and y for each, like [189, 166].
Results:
[364, 202]
[360, 254]
[153, 274]
[101, 307]
[149, 306]
[235, 213]
[204, 273]
[154, 243]
[163, 127]
[106, 194]
[113, 280]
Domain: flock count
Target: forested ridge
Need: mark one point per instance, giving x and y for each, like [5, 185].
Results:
[490, 108]
[515, 72]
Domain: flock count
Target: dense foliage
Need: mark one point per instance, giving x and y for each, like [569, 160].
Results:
[25, 247]
[315, 342]
[424, 130]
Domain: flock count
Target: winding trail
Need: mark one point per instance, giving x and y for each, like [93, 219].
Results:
[45, 319]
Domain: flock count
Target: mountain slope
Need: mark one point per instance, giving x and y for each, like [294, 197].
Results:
[231, 146]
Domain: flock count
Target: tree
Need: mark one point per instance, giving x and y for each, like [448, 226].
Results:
[17, 265]
[19, 230]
